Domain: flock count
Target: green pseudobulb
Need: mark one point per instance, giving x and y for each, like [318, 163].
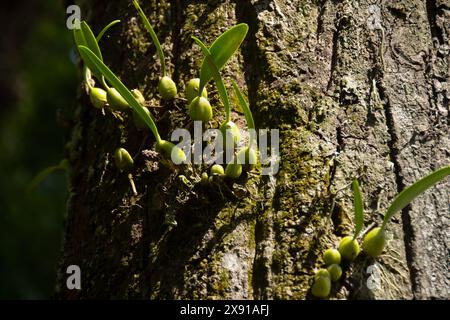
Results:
[192, 88]
[98, 97]
[321, 273]
[217, 169]
[138, 121]
[116, 101]
[374, 242]
[233, 170]
[204, 178]
[335, 272]
[171, 151]
[321, 287]
[167, 88]
[230, 133]
[200, 109]
[139, 96]
[331, 256]
[123, 159]
[248, 158]
[349, 248]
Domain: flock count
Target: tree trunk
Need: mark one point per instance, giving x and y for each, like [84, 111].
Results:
[352, 95]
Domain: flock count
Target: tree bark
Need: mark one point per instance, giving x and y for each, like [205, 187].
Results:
[350, 100]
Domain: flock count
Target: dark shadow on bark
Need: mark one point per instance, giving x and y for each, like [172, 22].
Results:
[178, 245]
[255, 64]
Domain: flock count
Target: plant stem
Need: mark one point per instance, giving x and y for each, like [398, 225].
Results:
[103, 82]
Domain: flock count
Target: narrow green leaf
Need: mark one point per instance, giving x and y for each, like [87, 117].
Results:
[221, 51]
[217, 78]
[358, 207]
[409, 194]
[79, 39]
[112, 23]
[78, 36]
[91, 59]
[91, 42]
[244, 105]
[85, 37]
[153, 35]
[99, 37]
[247, 112]
[41, 176]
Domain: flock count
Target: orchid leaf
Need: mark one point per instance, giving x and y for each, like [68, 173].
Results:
[221, 51]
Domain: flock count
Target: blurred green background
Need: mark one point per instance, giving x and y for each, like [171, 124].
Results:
[38, 85]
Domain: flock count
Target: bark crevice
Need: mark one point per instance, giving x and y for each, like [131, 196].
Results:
[393, 144]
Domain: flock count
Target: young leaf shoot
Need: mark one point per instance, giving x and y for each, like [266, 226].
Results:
[358, 207]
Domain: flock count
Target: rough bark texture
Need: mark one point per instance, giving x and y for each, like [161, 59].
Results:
[349, 100]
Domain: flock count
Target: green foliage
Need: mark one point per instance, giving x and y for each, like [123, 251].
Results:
[358, 207]
[91, 60]
[85, 37]
[221, 51]
[409, 194]
[138, 122]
